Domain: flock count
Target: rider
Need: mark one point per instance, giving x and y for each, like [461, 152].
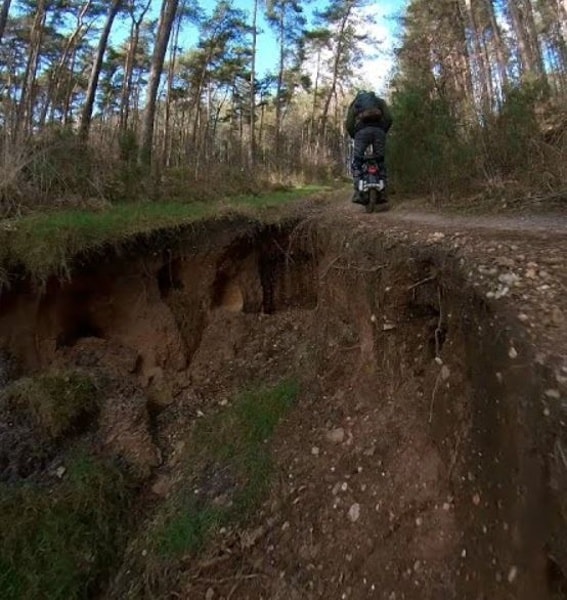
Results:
[368, 121]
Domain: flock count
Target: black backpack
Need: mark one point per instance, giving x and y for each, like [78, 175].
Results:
[367, 108]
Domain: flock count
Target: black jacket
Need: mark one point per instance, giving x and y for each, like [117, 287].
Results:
[353, 124]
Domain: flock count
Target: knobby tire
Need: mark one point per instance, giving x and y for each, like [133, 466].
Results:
[372, 200]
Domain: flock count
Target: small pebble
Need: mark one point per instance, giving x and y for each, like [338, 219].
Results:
[336, 436]
[354, 512]
[512, 574]
[557, 316]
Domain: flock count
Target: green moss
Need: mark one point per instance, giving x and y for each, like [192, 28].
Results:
[54, 402]
[60, 543]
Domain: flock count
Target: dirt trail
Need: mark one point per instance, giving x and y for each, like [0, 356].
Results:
[521, 258]
[552, 224]
[426, 455]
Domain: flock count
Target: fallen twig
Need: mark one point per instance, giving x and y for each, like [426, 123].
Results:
[438, 329]
[559, 451]
[426, 280]
[239, 577]
[324, 274]
[454, 458]
[211, 562]
[349, 267]
[435, 388]
[233, 590]
[360, 269]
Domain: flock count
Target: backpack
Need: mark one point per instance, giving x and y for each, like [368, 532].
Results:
[367, 107]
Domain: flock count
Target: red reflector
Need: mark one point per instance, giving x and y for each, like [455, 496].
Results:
[373, 170]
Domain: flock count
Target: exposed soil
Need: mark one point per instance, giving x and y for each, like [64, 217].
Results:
[427, 456]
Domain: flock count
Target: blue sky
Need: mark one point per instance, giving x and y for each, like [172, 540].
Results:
[378, 59]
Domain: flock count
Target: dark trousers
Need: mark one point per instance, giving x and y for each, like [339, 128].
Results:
[362, 139]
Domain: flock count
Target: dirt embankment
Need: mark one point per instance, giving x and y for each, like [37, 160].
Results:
[426, 455]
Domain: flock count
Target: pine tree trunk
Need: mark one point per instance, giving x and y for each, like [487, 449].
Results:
[170, 75]
[4, 17]
[126, 93]
[533, 37]
[562, 17]
[559, 28]
[70, 48]
[252, 147]
[197, 103]
[521, 28]
[128, 71]
[336, 63]
[482, 67]
[261, 128]
[485, 60]
[464, 65]
[280, 86]
[241, 152]
[25, 107]
[499, 47]
[315, 93]
[87, 112]
[167, 16]
[67, 110]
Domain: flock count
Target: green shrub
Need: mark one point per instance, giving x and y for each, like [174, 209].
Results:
[513, 134]
[60, 165]
[434, 150]
[427, 151]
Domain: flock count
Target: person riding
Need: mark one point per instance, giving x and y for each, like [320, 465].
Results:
[368, 121]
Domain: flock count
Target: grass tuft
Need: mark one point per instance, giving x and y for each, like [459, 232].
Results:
[53, 402]
[62, 542]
